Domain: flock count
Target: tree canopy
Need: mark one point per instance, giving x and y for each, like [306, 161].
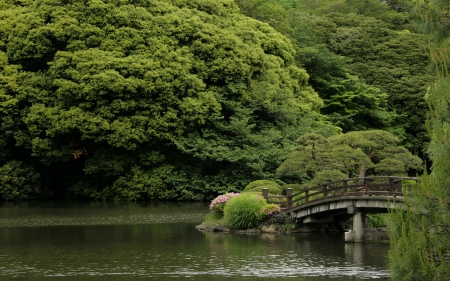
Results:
[366, 52]
[178, 99]
[146, 99]
[354, 154]
[393, 61]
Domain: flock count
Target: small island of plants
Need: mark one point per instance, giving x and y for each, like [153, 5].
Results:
[245, 212]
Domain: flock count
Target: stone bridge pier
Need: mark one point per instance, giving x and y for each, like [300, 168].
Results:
[357, 208]
[358, 233]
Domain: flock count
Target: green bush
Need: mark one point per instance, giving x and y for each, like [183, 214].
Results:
[270, 209]
[18, 181]
[377, 220]
[409, 183]
[259, 185]
[243, 211]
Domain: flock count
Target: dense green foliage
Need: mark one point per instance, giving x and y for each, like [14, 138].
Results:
[394, 12]
[18, 181]
[354, 154]
[364, 59]
[137, 100]
[377, 220]
[420, 236]
[393, 61]
[132, 100]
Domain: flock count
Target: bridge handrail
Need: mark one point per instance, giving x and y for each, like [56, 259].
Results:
[364, 186]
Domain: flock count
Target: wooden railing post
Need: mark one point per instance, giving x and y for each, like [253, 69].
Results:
[366, 185]
[289, 198]
[344, 185]
[265, 192]
[306, 195]
[324, 190]
[391, 185]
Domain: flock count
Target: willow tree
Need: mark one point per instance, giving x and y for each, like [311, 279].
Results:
[420, 234]
[147, 99]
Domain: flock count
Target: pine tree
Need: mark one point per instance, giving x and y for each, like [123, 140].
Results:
[420, 234]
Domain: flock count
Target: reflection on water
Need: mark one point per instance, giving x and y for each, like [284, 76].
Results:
[97, 213]
[104, 241]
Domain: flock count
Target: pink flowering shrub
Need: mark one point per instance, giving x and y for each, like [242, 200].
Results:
[218, 204]
[270, 209]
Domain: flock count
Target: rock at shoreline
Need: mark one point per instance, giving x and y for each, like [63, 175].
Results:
[273, 224]
[278, 223]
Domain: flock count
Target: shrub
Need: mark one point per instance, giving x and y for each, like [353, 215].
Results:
[18, 181]
[377, 220]
[244, 211]
[270, 209]
[257, 186]
[409, 183]
[218, 203]
[289, 225]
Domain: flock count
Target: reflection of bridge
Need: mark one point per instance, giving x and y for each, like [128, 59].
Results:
[353, 196]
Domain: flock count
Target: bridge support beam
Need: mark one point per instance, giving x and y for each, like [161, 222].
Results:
[359, 226]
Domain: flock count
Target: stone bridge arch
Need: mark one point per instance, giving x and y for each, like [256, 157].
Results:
[350, 197]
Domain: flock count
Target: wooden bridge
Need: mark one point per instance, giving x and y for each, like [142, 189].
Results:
[351, 196]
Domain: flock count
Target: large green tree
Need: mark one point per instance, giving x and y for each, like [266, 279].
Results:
[372, 41]
[396, 13]
[393, 61]
[354, 154]
[348, 102]
[420, 234]
[147, 99]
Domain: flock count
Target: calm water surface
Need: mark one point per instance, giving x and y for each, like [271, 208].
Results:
[158, 241]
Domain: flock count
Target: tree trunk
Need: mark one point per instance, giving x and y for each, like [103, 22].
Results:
[362, 174]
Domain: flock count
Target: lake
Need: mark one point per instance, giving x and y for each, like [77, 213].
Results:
[158, 241]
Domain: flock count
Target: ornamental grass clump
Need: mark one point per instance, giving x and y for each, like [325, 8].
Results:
[244, 211]
[218, 204]
[270, 209]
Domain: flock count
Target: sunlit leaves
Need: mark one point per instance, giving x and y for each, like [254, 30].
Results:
[127, 95]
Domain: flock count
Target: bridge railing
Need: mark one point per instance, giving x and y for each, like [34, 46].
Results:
[350, 187]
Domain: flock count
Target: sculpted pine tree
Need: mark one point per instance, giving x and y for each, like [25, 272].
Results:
[148, 99]
[354, 154]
